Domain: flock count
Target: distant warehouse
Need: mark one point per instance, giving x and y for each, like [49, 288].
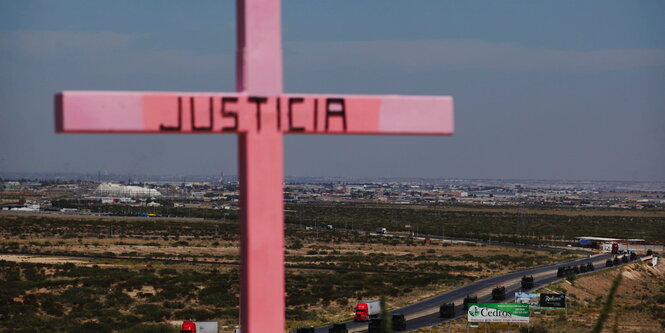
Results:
[119, 190]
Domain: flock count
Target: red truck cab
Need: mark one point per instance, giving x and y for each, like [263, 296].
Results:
[365, 310]
[615, 248]
[361, 312]
[188, 327]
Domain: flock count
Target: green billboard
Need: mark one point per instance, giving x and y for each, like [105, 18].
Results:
[498, 313]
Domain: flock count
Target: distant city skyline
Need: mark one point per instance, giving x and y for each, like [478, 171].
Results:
[543, 90]
[621, 185]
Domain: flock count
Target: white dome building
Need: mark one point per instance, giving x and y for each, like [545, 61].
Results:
[118, 190]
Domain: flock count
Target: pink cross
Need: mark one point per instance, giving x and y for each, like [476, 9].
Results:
[260, 113]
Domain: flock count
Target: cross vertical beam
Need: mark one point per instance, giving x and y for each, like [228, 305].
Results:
[259, 47]
[261, 233]
[260, 159]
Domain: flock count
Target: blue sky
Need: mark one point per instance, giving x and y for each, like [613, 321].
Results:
[543, 89]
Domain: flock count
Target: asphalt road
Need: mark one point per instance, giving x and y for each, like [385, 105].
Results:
[426, 313]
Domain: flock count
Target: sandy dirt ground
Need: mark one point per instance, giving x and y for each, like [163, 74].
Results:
[228, 251]
[42, 260]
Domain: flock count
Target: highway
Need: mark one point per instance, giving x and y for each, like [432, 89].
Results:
[426, 313]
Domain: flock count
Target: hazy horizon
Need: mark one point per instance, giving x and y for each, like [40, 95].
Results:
[10, 175]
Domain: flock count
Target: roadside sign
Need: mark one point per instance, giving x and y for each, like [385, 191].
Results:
[498, 313]
[541, 301]
[552, 301]
[533, 299]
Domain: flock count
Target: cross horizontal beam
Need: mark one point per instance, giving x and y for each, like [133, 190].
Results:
[183, 112]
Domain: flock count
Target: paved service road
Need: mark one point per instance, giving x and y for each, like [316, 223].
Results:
[426, 312]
